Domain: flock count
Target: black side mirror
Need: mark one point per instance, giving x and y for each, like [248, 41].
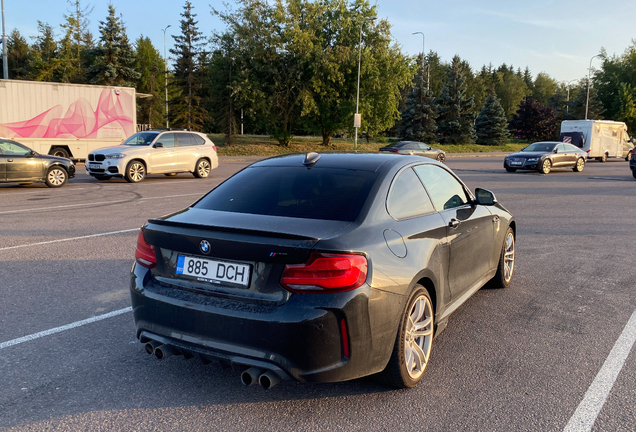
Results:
[32, 154]
[485, 197]
[555, 151]
[158, 145]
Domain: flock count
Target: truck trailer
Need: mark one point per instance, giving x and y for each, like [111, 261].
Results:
[600, 139]
[67, 120]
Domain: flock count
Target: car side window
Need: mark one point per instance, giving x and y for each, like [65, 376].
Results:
[410, 146]
[561, 148]
[197, 139]
[445, 190]
[571, 148]
[407, 197]
[167, 140]
[184, 139]
[13, 148]
[424, 146]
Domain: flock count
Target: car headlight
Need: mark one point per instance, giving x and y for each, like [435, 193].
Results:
[116, 156]
[532, 159]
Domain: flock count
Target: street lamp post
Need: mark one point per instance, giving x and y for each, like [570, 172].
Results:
[423, 56]
[357, 121]
[5, 63]
[165, 71]
[589, 72]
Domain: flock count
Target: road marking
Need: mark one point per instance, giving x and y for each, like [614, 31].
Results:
[588, 410]
[610, 178]
[68, 239]
[64, 327]
[42, 190]
[95, 203]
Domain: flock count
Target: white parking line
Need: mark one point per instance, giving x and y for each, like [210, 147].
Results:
[68, 239]
[95, 203]
[64, 327]
[595, 397]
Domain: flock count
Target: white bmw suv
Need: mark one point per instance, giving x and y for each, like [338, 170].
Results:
[154, 152]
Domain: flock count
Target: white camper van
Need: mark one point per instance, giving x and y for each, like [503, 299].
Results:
[601, 139]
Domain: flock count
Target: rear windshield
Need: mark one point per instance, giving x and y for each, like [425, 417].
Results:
[317, 193]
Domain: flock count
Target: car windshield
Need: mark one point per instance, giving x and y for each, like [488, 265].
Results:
[318, 193]
[141, 139]
[540, 147]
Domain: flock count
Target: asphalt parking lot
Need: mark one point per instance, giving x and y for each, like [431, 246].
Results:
[523, 359]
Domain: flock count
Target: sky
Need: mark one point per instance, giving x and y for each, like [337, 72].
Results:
[556, 37]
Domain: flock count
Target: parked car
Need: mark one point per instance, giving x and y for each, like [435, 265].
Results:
[319, 267]
[20, 164]
[632, 162]
[415, 148]
[154, 152]
[544, 156]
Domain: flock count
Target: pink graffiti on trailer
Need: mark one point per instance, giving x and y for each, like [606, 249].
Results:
[80, 120]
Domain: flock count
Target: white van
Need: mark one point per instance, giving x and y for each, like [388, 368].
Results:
[602, 139]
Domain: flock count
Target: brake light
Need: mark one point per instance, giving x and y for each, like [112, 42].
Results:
[394, 151]
[145, 253]
[213, 147]
[326, 273]
[587, 151]
[345, 338]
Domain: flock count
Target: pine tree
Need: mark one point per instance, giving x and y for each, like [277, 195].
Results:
[456, 119]
[114, 57]
[577, 105]
[420, 112]
[19, 56]
[534, 122]
[491, 125]
[150, 65]
[187, 78]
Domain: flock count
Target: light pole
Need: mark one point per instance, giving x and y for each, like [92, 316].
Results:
[423, 54]
[357, 119]
[567, 106]
[165, 71]
[5, 63]
[589, 72]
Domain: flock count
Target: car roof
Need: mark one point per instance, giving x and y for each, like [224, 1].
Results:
[357, 161]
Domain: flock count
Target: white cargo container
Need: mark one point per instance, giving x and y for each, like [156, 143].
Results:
[603, 138]
[68, 120]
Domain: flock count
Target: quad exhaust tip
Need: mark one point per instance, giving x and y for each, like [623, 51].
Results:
[251, 376]
[151, 346]
[268, 380]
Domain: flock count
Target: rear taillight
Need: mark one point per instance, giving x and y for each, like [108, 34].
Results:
[145, 253]
[394, 151]
[213, 147]
[326, 273]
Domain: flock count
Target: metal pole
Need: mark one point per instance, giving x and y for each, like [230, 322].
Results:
[355, 139]
[241, 121]
[567, 106]
[5, 61]
[589, 73]
[423, 57]
[165, 72]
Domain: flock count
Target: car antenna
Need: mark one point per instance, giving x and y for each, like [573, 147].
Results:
[311, 158]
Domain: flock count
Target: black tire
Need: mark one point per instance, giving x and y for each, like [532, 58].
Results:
[503, 277]
[511, 169]
[396, 373]
[634, 174]
[102, 177]
[603, 158]
[60, 152]
[580, 164]
[441, 157]
[170, 174]
[546, 166]
[56, 177]
[202, 168]
[629, 156]
[135, 171]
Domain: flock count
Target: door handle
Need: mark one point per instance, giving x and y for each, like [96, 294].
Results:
[454, 223]
[9, 160]
[495, 219]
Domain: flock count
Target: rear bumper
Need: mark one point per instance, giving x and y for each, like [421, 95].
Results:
[301, 339]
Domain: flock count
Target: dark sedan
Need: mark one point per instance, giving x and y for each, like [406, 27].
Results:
[543, 156]
[20, 164]
[415, 148]
[319, 268]
[632, 162]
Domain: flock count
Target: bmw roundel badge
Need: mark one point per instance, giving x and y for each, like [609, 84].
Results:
[205, 246]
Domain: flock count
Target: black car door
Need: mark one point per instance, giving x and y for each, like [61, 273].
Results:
[3, 169]
[21, 164]
[561, 156]
[470, 228]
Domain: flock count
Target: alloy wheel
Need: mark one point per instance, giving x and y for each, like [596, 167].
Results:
[509, 257]
[580, 164]
[418, 337]
[547, 165]
[203, 168]
[56, 177]
[137, 171]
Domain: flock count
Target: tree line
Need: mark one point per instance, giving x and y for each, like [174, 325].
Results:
[290, 67]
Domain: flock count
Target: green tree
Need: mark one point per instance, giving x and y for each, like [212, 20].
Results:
[114, 57]
[577, 104]
[187, 74]
[456, 119]
[43, 53]
[150, 65]
[19, 56]
[71, 62]
[492, 126]
[616, 84]
[544, 87]
[510, 88]
[420, 112]
[534, 122]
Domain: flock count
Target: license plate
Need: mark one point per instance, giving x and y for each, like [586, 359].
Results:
[212, 271]
[515, 163]
[94, 166]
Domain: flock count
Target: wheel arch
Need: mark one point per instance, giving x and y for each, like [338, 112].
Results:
[63, 147]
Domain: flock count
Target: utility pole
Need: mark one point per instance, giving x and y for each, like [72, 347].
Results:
[357, 119]
[423, 58]
[5, 61]
[165, 72]
[589, 77]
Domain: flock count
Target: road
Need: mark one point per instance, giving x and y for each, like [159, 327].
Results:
[523, 358]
